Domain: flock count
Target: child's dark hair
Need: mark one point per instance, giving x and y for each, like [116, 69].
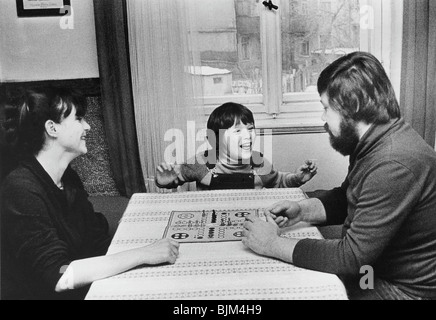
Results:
[27, 115]
[225, 116]
[359, 88]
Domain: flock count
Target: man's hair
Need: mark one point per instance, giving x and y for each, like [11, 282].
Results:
[358, 87]
[225, 116]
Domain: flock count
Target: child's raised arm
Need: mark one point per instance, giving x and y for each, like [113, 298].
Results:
[171, 176]
[167, 175]
[307, 171]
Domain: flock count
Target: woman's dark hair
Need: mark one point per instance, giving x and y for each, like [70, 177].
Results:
[224, 117]
[358, 87]
[27, 115]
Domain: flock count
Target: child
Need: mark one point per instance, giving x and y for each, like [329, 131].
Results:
[231, 163]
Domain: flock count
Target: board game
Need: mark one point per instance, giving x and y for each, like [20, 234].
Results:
[208, 225]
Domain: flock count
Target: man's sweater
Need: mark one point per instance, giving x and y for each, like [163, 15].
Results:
[388, 206]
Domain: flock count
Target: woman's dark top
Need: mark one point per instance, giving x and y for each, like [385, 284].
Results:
[43, 230]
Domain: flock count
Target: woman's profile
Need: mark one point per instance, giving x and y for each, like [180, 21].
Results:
[53, 242]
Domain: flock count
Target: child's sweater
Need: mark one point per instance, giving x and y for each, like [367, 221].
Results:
[258, 174]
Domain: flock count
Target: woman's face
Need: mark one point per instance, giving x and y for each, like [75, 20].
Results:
[72, 133]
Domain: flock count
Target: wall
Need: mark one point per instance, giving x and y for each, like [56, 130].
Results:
[94, 168]
[39, 49]
[290, 151]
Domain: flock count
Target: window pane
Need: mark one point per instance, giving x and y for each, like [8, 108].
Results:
[228, 40]
[314, 34]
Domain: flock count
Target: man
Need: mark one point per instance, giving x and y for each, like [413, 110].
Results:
[387, 203]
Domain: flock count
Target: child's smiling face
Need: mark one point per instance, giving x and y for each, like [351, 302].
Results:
[238, 141]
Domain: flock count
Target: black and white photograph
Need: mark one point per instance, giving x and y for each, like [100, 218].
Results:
[218, 155]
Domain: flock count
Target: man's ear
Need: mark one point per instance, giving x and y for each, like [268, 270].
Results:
[51, 128]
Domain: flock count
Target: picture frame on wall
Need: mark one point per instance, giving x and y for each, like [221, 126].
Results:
[42, 8]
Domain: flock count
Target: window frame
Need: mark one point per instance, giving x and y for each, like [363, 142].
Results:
[300, 112]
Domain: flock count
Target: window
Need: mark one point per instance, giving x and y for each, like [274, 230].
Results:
[217, 80]
[326, 6]
[305, 51]
[275, 67]
[245, 48]
[304, 7]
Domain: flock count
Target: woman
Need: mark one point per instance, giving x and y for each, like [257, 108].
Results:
[53, 243]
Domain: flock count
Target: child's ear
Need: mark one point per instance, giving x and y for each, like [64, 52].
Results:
[51, 128]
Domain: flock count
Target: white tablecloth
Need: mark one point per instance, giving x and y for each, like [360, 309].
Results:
[210, 271]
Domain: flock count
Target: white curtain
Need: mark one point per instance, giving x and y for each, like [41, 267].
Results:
[167, 98]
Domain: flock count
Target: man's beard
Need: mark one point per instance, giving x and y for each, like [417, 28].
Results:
[348, 137]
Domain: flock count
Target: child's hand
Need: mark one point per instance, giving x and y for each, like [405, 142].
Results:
[167, 174]
[307, 171]
[193, 172]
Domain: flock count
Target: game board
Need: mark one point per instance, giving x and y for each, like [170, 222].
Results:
[208, 225]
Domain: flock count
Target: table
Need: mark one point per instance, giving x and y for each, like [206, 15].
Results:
[215, 270]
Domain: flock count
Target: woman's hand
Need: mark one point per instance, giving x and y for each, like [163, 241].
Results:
[162, 251]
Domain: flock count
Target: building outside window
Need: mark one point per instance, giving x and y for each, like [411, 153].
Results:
[280, 55]
[245, 48]
[304, 7]
[326, 6]
[305, 48]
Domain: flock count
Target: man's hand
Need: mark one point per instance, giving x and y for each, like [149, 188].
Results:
[285, 213]
[260, 236]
